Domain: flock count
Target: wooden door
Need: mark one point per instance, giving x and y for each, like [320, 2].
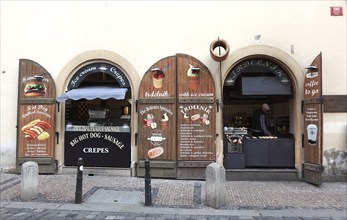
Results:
[157, 119]
[36, 116]
[196, 113]
[177, 118]
[313, 120]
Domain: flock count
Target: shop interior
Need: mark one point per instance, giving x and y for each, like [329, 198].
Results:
[99, 112]
[242, 150]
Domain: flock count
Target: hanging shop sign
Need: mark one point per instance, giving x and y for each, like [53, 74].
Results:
[106, 68]
[36, 116]
[219, 55]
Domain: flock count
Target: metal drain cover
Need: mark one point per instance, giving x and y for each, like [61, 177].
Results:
[113, 196]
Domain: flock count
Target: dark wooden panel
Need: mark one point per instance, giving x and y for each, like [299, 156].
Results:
[335, 103]
[313, 177]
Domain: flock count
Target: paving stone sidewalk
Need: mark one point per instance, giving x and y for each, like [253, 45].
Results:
[168, 193]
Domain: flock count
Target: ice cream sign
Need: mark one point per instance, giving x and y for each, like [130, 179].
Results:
[158, 76]
[193, 74]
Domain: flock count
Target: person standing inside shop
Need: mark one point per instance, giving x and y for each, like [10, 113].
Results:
[258, 121]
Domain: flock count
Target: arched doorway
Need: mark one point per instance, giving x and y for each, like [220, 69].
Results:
[262, 74]
[96, 114]
[97, 117]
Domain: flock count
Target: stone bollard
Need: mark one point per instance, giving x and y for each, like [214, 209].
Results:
[29, 181]
[215, 185]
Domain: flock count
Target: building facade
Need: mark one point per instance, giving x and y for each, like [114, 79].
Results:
[178, 63]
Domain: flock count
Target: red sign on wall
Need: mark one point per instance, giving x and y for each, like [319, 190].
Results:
[336, 11]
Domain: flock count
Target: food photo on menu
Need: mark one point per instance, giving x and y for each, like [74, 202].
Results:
[36, 129]
[35, 87]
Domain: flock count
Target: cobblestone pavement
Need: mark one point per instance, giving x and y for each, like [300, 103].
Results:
[171, 195]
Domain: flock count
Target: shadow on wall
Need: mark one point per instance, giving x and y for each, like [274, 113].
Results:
[335, 162]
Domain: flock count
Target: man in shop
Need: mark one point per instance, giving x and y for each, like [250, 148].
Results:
[258, 121]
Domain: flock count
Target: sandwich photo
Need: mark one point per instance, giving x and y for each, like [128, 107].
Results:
[34, 89]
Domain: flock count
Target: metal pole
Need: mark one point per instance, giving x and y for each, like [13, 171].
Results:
[79, 179]
[148, 191]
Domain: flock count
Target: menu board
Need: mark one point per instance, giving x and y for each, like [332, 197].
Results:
[313, 112]
[196, 110]
[103, 149]
[157, 126]
[36, 111]
[36, 134]
[195, 132]
[177, 111]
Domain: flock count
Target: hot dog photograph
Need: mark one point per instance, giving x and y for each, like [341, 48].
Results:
[36, 129]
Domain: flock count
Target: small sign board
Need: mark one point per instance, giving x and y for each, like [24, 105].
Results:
[101, 149]
[196, 134]
[335, 103]
[336, 11]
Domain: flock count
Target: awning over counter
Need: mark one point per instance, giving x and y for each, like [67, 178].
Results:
[264, 85]
[95, 92]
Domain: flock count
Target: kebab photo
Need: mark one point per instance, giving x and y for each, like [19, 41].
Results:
[36, 129]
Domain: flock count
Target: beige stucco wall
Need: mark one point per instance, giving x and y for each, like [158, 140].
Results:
[135, 34]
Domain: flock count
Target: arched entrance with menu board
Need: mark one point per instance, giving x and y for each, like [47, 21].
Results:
[262, 74]
[250, 84]
[96, 120]
[177, 117]
[97, 117]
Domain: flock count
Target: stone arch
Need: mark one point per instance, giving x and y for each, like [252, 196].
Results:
[68, 71]
[295, 72]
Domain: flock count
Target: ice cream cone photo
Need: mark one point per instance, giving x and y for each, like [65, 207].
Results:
[164, 120]
[157, 77]
[193, 77]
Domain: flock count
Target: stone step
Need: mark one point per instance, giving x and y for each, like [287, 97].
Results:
[262, 175]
